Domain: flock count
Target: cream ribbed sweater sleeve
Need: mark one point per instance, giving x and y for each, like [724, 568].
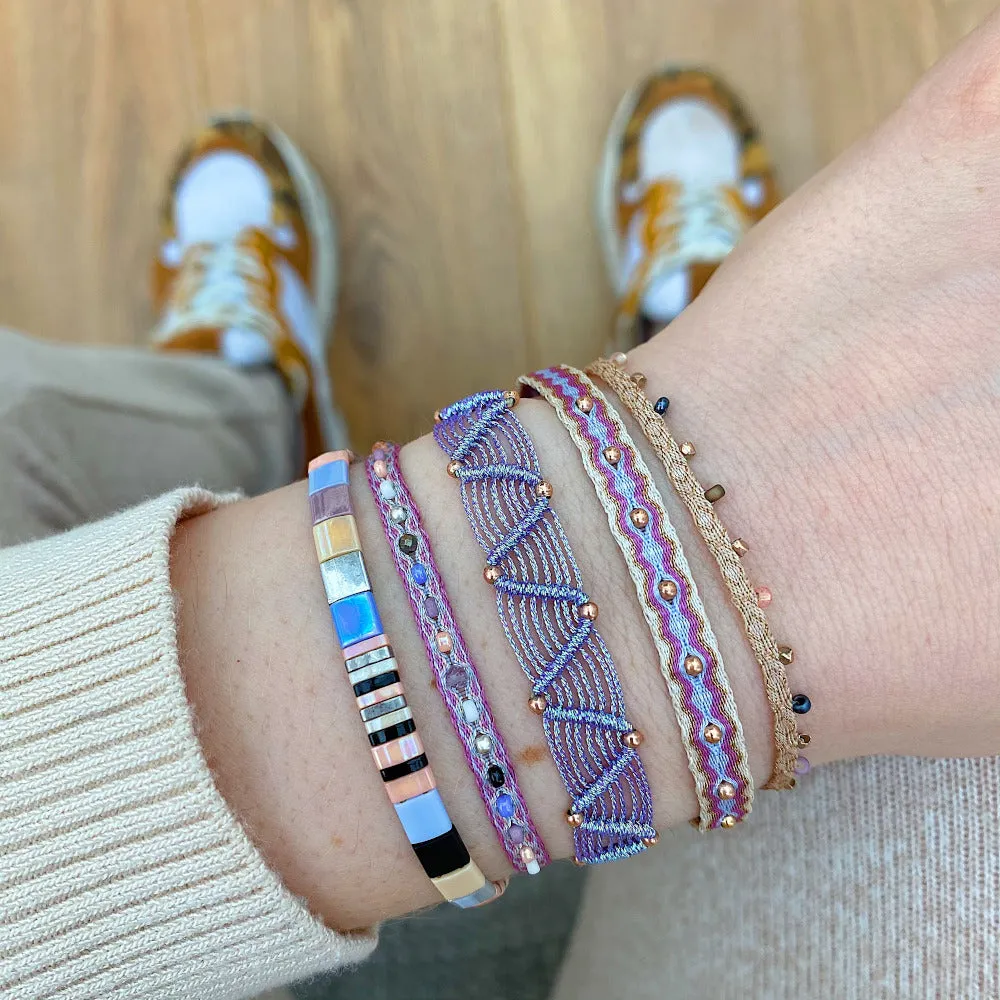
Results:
[122, 871]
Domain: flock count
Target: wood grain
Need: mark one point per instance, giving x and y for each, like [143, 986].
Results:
[459, 140]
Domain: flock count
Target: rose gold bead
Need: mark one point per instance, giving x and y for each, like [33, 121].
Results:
[380, 468]
[726, 790]
[613, 455]
[538, 703]
[527, 854]
[728, 822]
[640, 380]
[579, 863]
[453, 468]
[651, 841]
[740, 547]
[574, 818]
[693, 665]
[715, 493]
[713, 733]
[511, 398]
[633, 739]
[544, 489]
[443, 641]
[787, 655]
[667, 589]
[639, 517]
[804, 739]
[688, 450]
[619, 358]
[437, 416]
[491, 574]
[584, 404]
[589, 611]
[764, 597]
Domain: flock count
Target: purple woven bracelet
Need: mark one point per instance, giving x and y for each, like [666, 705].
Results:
[549, 621]
[457, 680]
[689, 655]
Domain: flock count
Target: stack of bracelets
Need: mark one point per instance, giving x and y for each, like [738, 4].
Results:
[550, 623]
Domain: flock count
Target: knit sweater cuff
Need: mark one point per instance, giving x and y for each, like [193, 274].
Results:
[122, 870]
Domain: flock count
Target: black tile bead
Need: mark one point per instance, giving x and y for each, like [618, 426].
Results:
[396, 732]
[374, 683]
[496, 776]
[402, 770]
[443, 854]
[801, 704]
[661, 405]
[408, 544]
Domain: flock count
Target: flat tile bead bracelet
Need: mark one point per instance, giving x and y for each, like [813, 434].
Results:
[727, 552]
[686, 646]
[549, 621]
[455, 674]
[373, 672]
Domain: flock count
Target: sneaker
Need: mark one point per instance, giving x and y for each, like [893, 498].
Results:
[684, 175]
[247, 264]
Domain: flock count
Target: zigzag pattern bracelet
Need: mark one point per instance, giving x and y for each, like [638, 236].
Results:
[549, 621]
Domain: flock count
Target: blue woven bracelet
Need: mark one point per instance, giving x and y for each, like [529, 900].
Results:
[549, 621]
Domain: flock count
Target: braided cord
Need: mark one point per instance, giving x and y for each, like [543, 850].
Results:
[755, 624]
[539, 593]
[678, 625]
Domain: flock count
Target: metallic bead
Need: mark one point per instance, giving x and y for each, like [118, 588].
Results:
[801, 704]
[688, 450]
[483, 744]
[454, 468]
[727, 822]
[804, 739]
[398, 514]
[651, 841]
[633, 739]
[713, 733]
[613, 455]
[764, 597]
[726, 790]
[437, 416]
[511, 397]
[640, 380]
[740, 547]
[661, 405]
[527, 854]
[538, 703]
[584, 404]
[693, 665]
[787, 655]
[491, 574]
[619, 358]
[408, 543]
[639, 517]
[715, 493]
[589, 611]
[443, 641]
[579, 863]
[574, 818]
[544, 489]
[380, 468]
[667, 589]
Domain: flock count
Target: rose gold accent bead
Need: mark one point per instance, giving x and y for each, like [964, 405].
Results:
[740, 547]
[579, 863]
[619, 358]
[589, 611]
[715, 493]
[787, 655]
[639, 517]
[437, 416]
[633, 739]
[380, 468]
[651, 841]
[693, 665]
[804, 739]
[688, 450]
[453, 468]
[544, 489]
[713, 733]
[574, 818]
[728, 822]
[764, 597]
[443, 641]
[538, 703]
[726, 790]
[667, 589]
[640, 380]
[511, 397]
[527, 854]
[584, 404]
[613, 455]
[491, 574]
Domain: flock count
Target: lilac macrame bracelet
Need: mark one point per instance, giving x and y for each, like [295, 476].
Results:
[549, 621]
[455, 674]
[689, 655]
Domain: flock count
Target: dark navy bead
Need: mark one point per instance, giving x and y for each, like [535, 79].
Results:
[496, 776]
[408, 544]
[801, 704]
[419, 574]
[661, 405]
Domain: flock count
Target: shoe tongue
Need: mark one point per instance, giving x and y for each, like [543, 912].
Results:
[669, 291]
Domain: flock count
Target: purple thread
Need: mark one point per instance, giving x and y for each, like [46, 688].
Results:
[455, 674]
[560, 652]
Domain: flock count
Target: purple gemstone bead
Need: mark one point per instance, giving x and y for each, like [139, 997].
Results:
[431, 608]
[802, 765]
[378, 455]
[457, 678]
[515, 834]
[505, 805]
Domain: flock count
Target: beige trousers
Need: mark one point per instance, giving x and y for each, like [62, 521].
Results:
[878, 879]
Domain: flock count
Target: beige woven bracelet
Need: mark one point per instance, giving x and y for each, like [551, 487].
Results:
[771, 657]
